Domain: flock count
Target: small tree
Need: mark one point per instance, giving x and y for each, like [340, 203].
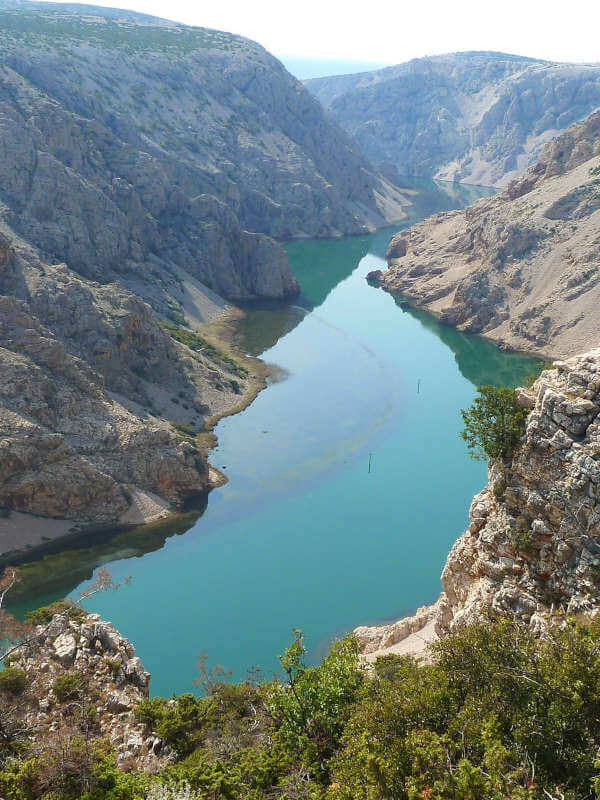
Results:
[494, 424]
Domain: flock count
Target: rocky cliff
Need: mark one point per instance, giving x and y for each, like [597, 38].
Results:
[532, 549]
[149, 151]
[522, 267]
[93, 390]
[475, 117]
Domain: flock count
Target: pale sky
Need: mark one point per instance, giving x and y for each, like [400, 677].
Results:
[392, 31]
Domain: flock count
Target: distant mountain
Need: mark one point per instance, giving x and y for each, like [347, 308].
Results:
[477, 117]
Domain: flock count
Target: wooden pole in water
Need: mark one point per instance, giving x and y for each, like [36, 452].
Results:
[369, 463]
[419, 386]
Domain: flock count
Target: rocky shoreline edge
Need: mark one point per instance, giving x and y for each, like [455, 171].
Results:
[24, 537]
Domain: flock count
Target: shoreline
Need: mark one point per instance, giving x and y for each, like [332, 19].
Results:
[66, 534]
[28, 537]
[407, 636]
[501, 344]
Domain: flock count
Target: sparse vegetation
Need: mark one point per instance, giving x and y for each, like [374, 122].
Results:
[67, 687]
[184, 429]
[197, 344]
[56, 29]
[496, 714]
[12, 680]
[41, 616]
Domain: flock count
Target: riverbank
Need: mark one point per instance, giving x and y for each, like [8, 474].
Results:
[24, 536]
[408, 636]
[362, 375]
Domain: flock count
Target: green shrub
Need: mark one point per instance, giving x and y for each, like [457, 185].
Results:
[499, 488]
[114, 666]
[12, 680]
[311, 708]
[68, 686]
[43, 615]
[184, 428]
[494, 424]
[150, 710]
[499, 714]
[520, 535]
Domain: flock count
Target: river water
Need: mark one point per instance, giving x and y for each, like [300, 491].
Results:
[348, 482]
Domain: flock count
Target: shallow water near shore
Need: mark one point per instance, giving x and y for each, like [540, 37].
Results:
[306, 534]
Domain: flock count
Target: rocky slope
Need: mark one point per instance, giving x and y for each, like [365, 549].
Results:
[522, 267]
[93, 388]
[83, 680]
[532, 549]
[476, 117]
[149, 151]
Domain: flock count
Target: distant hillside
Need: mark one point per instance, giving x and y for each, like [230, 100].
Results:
[477, 117]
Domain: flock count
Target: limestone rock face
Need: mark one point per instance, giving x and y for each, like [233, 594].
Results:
[521, 267]
[533, 546]
[84, 368]
[479, 117]
[140, 149]
[532, 549]
[99, 662]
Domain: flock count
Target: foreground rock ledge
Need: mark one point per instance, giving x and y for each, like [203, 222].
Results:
[112, 679]
[532, 549]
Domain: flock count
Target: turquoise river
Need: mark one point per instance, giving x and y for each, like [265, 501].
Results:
[303, 535]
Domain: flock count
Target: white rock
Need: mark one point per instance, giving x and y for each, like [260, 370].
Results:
[65, 648]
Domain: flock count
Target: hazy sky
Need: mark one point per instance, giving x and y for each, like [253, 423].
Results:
[391, 31]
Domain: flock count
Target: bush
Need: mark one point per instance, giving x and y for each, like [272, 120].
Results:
[68, 686]
[494, 424]
[499, 714]
[43, 615]
[499, 488]
[310, 709]
[12, 680]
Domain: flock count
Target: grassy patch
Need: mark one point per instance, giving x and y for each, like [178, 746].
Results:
[198, 344]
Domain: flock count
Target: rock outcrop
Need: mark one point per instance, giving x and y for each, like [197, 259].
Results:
[523, 267]
[83, 680]
[475, 117]
[532, 549]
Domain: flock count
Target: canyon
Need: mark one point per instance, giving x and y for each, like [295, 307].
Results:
[476, 117]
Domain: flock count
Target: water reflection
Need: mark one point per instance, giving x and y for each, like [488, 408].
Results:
[481, 362]
[57, 574]
[351, 365]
